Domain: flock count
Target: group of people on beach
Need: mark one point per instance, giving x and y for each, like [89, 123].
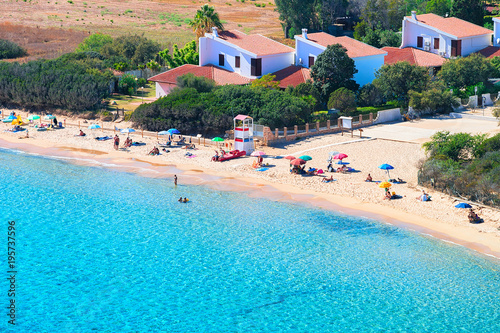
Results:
[473, 217]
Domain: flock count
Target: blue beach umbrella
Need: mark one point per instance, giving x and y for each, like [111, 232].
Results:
[164, 133]
[386, 167]
[463, 205]
[305, 157]
[127, 130]
[174, 131]
[94, 126]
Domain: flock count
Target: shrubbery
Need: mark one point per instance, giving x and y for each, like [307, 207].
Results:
[66, 82]
[212, 112]
[464, 165]
[10, 50]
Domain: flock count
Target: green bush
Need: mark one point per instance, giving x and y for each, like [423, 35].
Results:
[10, 50]
[62, 83]
[212, 112]
[128, 84]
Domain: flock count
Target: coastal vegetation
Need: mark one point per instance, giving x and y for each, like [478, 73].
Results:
[71, 82]
[200, 107]
[463, 165]
[10, 50]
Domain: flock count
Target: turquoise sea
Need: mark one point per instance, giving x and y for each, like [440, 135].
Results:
[99, 250]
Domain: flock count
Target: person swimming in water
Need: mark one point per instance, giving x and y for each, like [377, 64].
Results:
[180, 199]
[185, 200]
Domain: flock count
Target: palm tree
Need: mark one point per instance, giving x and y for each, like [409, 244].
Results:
[204, 20]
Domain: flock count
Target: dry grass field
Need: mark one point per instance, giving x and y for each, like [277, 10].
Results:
[50, 28]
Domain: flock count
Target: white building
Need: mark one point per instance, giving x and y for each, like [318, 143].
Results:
[248, 55]
[367, 59]
[448, 37]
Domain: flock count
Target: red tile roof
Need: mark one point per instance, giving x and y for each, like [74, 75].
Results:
[257, 44]
[490, 51]
[413, 56]
[452, 25]
[292, 76]
[219, 75]
[355, 48]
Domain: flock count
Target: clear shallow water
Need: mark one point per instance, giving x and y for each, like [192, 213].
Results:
[107, 251]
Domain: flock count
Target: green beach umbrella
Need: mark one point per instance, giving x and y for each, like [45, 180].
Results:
[33, 117]
[217, 139]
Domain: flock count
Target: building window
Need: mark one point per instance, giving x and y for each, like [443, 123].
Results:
[420, 41]
[456, 48]
[256, 67]
[221, 60]
[237, 62]
[311, 61]
[436, 43]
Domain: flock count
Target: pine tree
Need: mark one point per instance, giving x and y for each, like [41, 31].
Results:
[468, 10]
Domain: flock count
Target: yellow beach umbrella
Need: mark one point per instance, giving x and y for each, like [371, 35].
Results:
[384, 185]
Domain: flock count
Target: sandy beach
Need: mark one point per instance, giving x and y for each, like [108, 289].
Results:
[397, 144]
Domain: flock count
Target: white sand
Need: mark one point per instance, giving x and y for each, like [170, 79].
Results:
[438, 217]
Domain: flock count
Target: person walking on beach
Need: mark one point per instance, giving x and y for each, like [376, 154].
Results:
[175, 180]
[116, 142]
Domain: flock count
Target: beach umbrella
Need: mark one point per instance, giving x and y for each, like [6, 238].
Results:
[386, 167]
[174, 131]
[306, 157]
[340, 156]
[9, 119]
[333, 153]
[218, 139]
[164, 133]
[290, 157]
[463, 205]
[298, 161]
[49, 117]
[384, 185]
[33, 117]
[94, 126]
[257, 153]
[127, 130]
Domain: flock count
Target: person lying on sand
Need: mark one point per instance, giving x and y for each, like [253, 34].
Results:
[81, 133]
[327, 180]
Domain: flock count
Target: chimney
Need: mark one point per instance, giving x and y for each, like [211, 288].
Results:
[304, 33]
[414, 15]
[214, 32]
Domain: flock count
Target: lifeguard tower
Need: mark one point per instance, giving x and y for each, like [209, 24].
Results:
[243, 133]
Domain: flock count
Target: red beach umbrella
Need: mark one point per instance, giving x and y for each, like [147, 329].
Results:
[340, 156]
[297, 161]
[289, 157]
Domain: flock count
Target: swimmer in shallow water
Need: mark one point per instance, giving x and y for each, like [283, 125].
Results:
[185, 200]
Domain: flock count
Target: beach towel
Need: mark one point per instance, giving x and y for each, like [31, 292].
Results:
[138, 144]
[191, 156]
[261, 169]
[103, 138]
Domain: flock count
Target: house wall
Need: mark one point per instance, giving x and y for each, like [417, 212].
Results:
[411, 31]
[211, 48]
[496, 31]
[304, 51]
[366, 66]
[163, 89]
